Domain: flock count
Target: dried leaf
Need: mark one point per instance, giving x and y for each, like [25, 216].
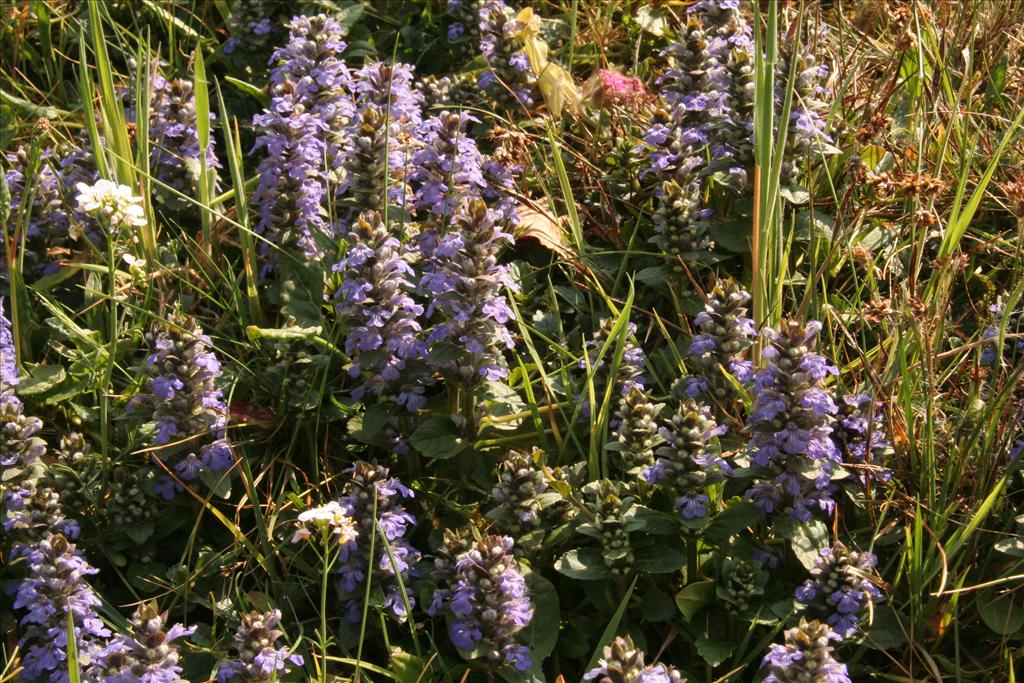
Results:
[543, 228]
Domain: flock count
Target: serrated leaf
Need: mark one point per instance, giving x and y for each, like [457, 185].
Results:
[713, 650]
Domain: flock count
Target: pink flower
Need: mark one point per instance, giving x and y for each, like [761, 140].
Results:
[608, 87]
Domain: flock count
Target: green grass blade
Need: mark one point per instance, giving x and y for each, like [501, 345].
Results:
[202, 94]
[613, 625]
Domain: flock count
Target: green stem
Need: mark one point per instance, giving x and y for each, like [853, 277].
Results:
[366, 594]
[691, 559]
[112, 338]
[325, 577]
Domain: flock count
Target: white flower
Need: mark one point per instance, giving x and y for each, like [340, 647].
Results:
[116, 202]
[330, 516]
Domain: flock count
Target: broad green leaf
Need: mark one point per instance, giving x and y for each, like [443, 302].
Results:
[438, 438]
[695, 597]
[583, 564]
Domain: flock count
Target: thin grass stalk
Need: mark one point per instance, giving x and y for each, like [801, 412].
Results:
[245, 238]
[200, 88]
[366, 593]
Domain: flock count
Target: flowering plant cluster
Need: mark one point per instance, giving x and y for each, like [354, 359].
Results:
[522, 345]
[379, 547]
[189, 416]
[622, 661]
[486, 596]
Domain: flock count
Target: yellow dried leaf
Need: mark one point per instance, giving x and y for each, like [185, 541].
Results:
[543, 228]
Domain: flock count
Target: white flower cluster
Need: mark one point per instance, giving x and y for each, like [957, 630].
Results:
[116, 202]
[331, 516]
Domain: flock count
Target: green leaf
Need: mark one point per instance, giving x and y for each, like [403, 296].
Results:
[348, 15]
[734, 519]
[734, 235]
[583, 564]
[655, 276]
[806, 539]
[438, 438]
[695, 597]
[370, 425]
[1012, 546]
[659, 559]
[282, 333]
[40, 378]
[794, 195]
[657, 606]
[813, 224]
[541, 634]
[406, 667]
[713, 651]
[887, 630]
[218, 482]
[641, 518]
[1002, 609]
[74, 672]
[246, 88]
[139, 533]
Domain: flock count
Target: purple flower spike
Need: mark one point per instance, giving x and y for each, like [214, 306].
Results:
[260, 658]
[486, 595]
[791, 425]
[840, 587]
[188, 413]
[383, 319]
[464, 282]
[310, 105]
[805, 656]
[622, 661]
[372, 489]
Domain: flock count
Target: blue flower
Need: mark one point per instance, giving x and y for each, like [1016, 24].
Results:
[791, 424]
[383, 319]
[186, 409]
[310, 102]
[805, 656]
[260, 658]
[840, 587]
[148, 655]
[485, 591]
[622, 661]
[465, 282]
[369, 489]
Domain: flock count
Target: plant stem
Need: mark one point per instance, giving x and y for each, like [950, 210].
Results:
[112, 340]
